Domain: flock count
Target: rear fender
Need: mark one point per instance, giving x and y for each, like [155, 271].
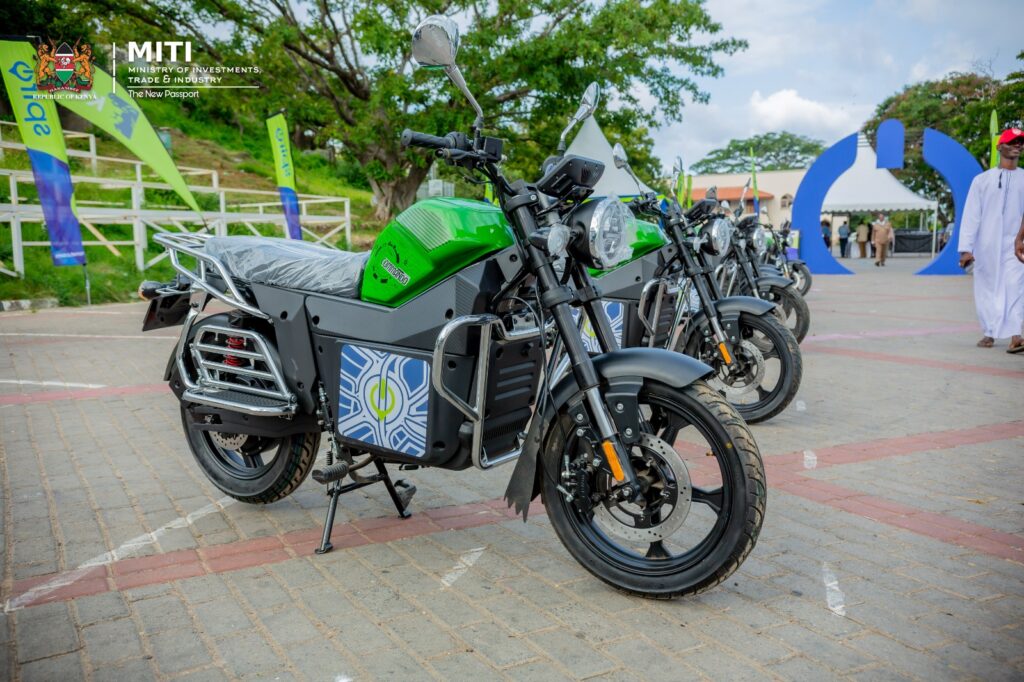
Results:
[617, 370]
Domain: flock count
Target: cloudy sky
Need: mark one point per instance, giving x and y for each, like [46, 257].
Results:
[819, 67]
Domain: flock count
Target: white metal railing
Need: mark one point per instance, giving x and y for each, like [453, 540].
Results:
[143, 220]
[94, 158]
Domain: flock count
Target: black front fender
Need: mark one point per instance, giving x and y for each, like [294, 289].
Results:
[729, 310]
[768, 281]
[667, 367]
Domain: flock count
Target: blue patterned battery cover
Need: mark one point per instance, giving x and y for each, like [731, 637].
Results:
[384, 398]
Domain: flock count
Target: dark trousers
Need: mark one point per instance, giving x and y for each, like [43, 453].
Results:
[842, 246]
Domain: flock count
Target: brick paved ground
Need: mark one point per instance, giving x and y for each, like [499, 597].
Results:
[892, 548]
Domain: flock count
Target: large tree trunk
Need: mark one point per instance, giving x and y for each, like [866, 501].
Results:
[394, 196]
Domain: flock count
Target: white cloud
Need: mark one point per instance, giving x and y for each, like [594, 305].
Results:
[786, 110]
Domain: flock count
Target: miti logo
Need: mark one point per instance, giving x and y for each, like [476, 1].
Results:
[154, 50]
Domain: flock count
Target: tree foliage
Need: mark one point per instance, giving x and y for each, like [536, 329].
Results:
[958, 105]
[343, 69]
[772, 151]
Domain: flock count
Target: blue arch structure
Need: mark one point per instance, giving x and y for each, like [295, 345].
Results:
[810, 196]
[948, 157]
[889, 144]
[958, 167]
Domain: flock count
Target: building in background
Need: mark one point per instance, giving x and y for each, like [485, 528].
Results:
[776, 189]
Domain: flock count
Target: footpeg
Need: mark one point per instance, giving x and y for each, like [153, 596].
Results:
[330, 474]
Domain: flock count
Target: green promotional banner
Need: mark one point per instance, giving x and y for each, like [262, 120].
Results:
[43, 137]
[115, 112]
[281, 146]
[757, 196]
[993, 132]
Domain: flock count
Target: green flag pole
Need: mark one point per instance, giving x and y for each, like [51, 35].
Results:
[993, 131]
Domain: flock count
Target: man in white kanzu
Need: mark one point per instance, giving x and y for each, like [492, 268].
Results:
[993, 215]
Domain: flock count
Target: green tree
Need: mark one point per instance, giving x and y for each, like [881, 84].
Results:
[958, 105]
[343, 69]
[773, 151]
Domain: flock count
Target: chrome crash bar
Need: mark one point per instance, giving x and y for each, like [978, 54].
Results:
[474, 412]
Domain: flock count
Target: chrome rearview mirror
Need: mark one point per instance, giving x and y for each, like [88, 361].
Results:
[435, 42]
[619, 156]
[588, 105]
[622, 162]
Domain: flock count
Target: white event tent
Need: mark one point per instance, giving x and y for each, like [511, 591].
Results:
[865, 188]
[591, 143]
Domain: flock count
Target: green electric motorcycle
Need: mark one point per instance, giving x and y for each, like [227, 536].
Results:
[431, 350]
[666, 296]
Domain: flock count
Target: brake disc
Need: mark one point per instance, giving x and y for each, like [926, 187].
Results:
[674, 497]
[228, 441]
[754, 361]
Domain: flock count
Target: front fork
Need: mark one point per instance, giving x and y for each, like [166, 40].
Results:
[592, 416]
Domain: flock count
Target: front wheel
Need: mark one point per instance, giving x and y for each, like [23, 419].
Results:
[802, 278]
[790, 308]
[766, 368]
[702, 505]
[252, 469]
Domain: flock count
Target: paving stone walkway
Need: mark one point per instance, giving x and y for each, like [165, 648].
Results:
[893, 547]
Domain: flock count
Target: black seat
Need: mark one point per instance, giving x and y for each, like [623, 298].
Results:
[291, 264]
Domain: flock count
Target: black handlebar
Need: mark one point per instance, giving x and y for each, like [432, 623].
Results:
[410, 138]
[458, 141]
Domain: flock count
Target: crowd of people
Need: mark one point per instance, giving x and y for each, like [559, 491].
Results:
[877, 233]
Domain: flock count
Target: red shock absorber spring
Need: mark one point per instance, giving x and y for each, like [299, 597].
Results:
[234, 343]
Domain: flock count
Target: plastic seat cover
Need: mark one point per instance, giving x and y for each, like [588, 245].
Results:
[291, 264]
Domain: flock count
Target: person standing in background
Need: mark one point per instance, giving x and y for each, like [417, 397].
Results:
[844, 239]
[882, 236]
[862, 238]
[826, 234]
[992, 223]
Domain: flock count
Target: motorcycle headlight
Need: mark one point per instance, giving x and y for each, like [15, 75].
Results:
[721, 233]
[610, 234]
[760, 240]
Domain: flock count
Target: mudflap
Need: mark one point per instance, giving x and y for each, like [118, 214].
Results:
[665, 366]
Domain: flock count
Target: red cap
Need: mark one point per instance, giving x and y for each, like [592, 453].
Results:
[1010, 134]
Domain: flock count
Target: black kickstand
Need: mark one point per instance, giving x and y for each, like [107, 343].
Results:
[401, 493]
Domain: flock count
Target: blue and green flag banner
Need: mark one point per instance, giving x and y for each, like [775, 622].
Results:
[993, 133]
[757, 197]
[44, 140]
[281, 146]
[115, 112]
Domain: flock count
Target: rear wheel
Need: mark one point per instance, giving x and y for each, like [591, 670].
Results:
[252, 469]
[702, 503]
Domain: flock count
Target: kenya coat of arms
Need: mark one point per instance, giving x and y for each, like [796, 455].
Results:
[63, 67]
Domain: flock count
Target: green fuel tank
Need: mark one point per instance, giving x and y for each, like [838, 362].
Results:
[429, 242]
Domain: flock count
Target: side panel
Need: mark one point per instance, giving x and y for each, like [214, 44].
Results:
[384, 404]
[383, 399]
[427, 243]
[417, 323]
